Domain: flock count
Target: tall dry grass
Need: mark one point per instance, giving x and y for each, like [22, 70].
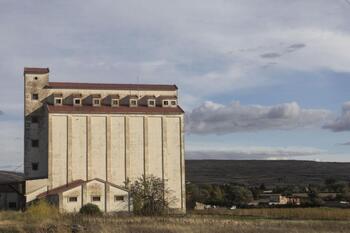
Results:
[41, 218]
[282, 213]
[41, 211]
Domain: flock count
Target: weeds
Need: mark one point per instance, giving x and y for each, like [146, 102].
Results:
[44, 219]
[41, 211]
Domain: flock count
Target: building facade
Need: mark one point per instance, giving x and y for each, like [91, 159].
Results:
[83, 141]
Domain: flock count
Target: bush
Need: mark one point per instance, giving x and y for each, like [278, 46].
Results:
[40, 210]
[90, 209]
[150, 197]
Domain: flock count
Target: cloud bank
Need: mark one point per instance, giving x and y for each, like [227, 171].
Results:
[187, 42]
[341, 123]
[242, 153]
[213, 118]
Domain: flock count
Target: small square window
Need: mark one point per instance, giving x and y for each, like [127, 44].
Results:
[35, 96]
[35, 78]
[35, 166]
[35, 119]
[151, 103]
[166, 103]
[58, 101]
[12, 205]
[118, 198]
[115, 102]
[133, 102]
[35, 143]
[173, 102]
[96, 198]
[72, 199]
[96, 102]
[77, 101]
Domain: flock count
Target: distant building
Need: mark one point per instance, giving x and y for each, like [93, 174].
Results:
[11, 190]
[278, 199]
[83, 141]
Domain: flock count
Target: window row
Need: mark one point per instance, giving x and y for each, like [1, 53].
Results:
[111, 100]
[95, 198]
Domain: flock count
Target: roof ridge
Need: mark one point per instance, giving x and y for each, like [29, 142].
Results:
[125, 86]
[36, 70]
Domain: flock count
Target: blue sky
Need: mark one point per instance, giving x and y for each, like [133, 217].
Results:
[257, 81]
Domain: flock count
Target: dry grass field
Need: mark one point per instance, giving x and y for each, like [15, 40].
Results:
[314, 220]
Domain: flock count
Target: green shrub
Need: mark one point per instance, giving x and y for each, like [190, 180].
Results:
[90, 209]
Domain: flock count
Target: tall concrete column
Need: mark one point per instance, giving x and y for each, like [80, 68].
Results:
[145, 146]
[164, 150]
[69, 150]
[49, 170]
[127, 142]
[108, 149]
[88, 146]
[182, 164]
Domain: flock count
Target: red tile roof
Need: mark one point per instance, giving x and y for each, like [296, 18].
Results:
[62, 188]
[33, 70]
[75, 184]
[113, 110]
[77, 95]
[105, 86]
[114, 96]
[164, 97]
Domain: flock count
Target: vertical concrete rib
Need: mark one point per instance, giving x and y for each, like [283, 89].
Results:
[126, 134]
[88, 145]
[165, 149]
[145, 146]
[163, 154]
[182, 165]
[69, 149]
[50, 153]
[108, 148]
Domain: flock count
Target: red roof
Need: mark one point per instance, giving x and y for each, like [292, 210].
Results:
[33, 70]
[62, 188]
[75, 184]
[164, 97]
[106, 86]
[113, 110]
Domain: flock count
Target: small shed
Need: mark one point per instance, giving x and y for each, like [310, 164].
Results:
[12, 189]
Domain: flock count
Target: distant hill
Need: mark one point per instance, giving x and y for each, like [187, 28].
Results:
[269, 172]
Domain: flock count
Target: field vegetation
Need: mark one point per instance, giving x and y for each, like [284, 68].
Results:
[43, 217]
[152, 215]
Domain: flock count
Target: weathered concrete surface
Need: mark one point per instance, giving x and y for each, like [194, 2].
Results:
[114, 148]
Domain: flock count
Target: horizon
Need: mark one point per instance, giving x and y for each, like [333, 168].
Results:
[257, 82]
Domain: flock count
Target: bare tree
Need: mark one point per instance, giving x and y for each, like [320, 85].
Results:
[150, 196]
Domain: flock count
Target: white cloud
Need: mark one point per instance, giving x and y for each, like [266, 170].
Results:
[208, 48]
[242, 153]
[341, 123]
[213, 118]
[205, 47]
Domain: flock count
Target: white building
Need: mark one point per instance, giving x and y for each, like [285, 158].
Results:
[84, 140]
